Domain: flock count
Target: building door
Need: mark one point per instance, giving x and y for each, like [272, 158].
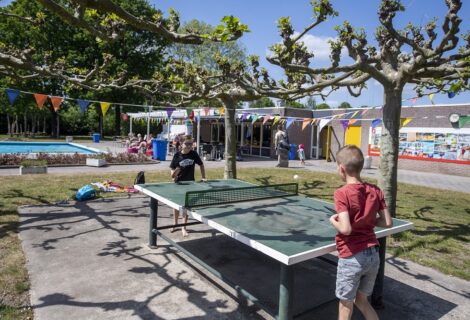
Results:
[353, 136]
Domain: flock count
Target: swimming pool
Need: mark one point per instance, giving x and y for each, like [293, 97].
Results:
[44, 147]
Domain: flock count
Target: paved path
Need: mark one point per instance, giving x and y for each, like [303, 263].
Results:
[432, 180]
[90, 260]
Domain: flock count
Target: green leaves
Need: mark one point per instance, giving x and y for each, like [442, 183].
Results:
[323, 9]
[232, 27]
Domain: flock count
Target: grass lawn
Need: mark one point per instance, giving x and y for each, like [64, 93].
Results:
[440, 239]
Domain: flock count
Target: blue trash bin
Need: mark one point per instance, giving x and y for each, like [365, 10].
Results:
[96, 137]
[293, 152]
[159, 149]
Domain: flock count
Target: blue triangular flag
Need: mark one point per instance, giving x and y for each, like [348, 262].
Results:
[289, 122]
[376, 123]
[12, 95]
[83, 104]
[451, 94]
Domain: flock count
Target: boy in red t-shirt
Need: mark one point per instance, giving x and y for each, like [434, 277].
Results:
[360, 206]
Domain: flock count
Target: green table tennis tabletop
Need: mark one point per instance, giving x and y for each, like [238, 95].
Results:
[289, 229]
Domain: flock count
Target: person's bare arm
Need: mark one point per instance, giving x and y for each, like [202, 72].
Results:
[385, 219]
[174, 173]
[203, 172]
[341, 222]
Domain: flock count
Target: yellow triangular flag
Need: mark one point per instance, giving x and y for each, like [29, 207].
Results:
[314, 120]
[431, 96]
[104, 107]
[354, 114]
[305, 123]
[276, 119]
[405, 121]
[221, 110]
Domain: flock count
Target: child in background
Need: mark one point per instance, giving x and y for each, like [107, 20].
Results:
[301, 154]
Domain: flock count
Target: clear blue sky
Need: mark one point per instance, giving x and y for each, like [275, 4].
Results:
[261, 17]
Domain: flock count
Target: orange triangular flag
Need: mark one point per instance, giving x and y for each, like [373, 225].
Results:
[40, 99]
[305, 123]
[104, 107]
[56, 101]
[352, 121]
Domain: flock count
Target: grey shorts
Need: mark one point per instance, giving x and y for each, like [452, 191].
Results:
[357, 272]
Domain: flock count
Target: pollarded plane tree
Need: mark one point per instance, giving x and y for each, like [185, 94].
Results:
[233, 81]
[182, 82]
[32, 55]
[419, 55]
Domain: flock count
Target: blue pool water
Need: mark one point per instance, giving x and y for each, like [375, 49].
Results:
[44, 147]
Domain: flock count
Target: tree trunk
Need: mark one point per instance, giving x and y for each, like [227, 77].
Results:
[10, 132]
[25, 121]
[33, 124]
[230, 155]
[117, 120]
[16, 125]
[53, 121]
[100, 124]
[389, 147]
[58, 126]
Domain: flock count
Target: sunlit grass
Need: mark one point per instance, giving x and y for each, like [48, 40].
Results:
[439, 240]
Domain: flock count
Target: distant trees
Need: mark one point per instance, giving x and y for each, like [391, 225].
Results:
[264, 102]
[292, 104]
[344, 105]
[323, 106]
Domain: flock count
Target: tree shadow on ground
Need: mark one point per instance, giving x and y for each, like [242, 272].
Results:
[127, 247]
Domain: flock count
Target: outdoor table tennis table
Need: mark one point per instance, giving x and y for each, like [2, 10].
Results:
[274, 220]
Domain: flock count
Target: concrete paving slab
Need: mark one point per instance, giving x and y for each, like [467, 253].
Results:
[90, 260]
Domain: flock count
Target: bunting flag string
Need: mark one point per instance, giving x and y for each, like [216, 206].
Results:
[40, 99]
[12, 95]
[56, 101]
[104, 107]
